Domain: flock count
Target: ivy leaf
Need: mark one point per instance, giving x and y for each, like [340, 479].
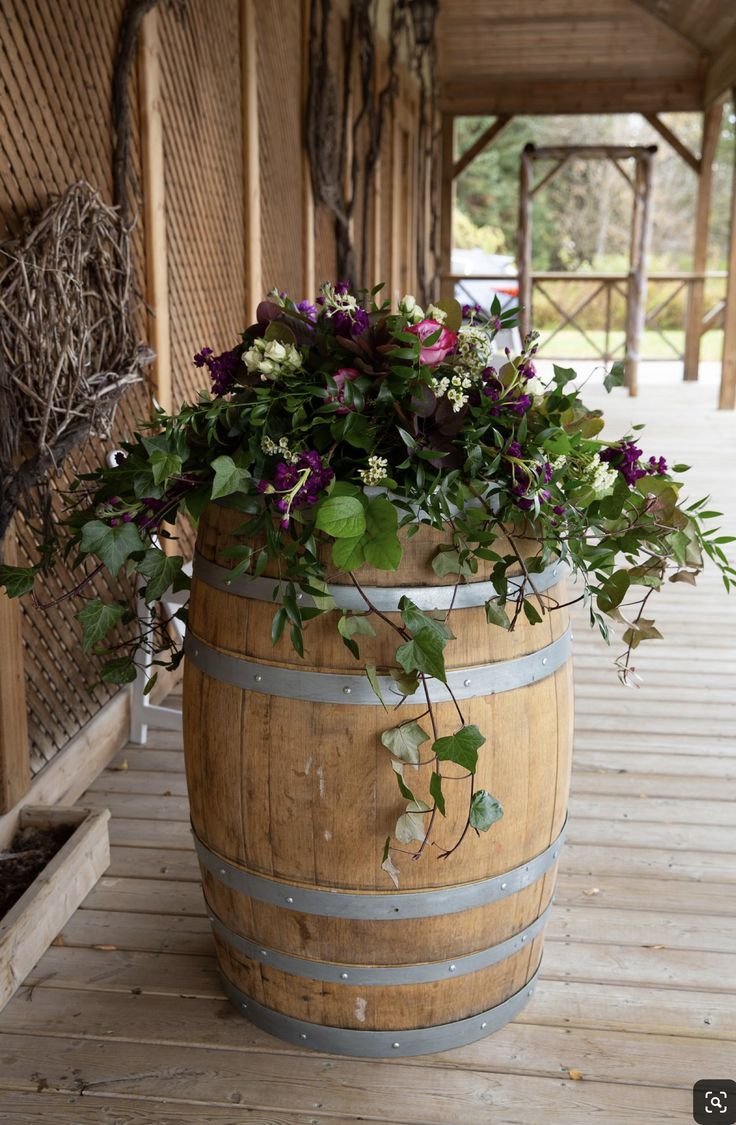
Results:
[161, 571]
[404, 741]
[97, 618]
[352, 626]
[531, 612]
[406, 682]
[118, 671]
[371, 673]
[410, 826]
[112, 545]
[415, 620]
[382, 549]
[342, 517]
[448, 562]
[228, 477]
[348, 554]
[389, 866]
[485, 810]
[384, 553]
[613, 591]
[404, 789]
[17, 580]
[164, 464]
[424, 653]
[435, 789]
[615, 377]
[496, 615]
[461, 747]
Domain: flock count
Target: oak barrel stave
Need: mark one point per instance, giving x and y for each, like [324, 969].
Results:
[304, 793]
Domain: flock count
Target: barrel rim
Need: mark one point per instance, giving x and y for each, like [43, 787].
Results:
[382, 1044]
[351, 973]
[351, 688]
[390, 905]
[460, 595]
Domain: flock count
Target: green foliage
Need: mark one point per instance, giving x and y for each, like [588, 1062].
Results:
[485, 810]
[342, 517]
[229, 478]
[404, 741]
[97, 618]
[461, 747]
[17, 580]
[111, 545]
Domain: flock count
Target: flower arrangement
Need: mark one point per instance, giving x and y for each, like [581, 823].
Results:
[341, 424]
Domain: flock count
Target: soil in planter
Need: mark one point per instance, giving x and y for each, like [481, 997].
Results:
[30, 850]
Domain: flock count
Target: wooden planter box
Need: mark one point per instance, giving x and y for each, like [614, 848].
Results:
[31, 925]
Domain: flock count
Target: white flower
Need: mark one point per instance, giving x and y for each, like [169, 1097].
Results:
[433, 313]
[473, 351]
[276, 351]
[457, 398]
[409, 308]
[337, 302]
[376, 470]
[271, 358]
[440, 386]
[599, 476]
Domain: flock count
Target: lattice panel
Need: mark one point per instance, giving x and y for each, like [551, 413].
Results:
[279, 54]
[203, 164]
[55, 77]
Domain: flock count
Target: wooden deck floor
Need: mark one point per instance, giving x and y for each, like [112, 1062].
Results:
[123, 1021]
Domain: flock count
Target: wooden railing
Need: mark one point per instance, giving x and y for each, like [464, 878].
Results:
[594, 306]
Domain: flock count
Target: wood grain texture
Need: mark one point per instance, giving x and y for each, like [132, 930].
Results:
[303, 792]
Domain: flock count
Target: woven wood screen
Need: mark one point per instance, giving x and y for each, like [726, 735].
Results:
[55, 76]
[55, 80]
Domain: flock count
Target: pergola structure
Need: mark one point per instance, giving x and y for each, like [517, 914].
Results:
[607, 56]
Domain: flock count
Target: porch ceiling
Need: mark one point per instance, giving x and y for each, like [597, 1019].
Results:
[584, 56]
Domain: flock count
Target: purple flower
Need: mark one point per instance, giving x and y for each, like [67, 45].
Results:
[314, 478]
[472, 310]
[559, 510]
[350, 324]
[625, 458]
[222, 368]
[309, 310]
[514, 449]
[657, 465]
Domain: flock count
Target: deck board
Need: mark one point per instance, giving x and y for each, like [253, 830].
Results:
[124, 1020]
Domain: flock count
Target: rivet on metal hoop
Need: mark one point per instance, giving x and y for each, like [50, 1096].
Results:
[244, 1007]
[289, 899]
[300, 597]
[258, 678]
[223, 871]
[484, 1024]
[303, 1035]
[395, 1045]
[466, 683]
[347, 690]
[344, 976]
[452, 968]
[263, 952]
[523, 937]
[504, 886]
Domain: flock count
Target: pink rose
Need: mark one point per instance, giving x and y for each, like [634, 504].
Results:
[442, 346]
[342, 376]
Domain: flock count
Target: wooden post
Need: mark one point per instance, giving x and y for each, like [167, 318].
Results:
[524, 252]
[637, 297]
[447, 203]
[15, 769]
[251, 158]
[727, 396]
[694, 321]
[308, 266]
[154, 208]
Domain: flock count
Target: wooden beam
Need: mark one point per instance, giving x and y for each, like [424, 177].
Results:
[524, 252]
[694, 317]
[721, 73]
[308, 257]
[637, 295]
[154, 207]
[481, 143]
[653, 9]
[589, 152]
[674, 141]
[447, 200]
[251, 158]
[727, 394]
[15, 768]
[495, 95]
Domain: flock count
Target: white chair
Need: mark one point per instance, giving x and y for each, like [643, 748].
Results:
[144, 713]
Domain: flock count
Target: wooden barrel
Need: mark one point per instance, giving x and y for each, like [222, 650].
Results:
[293, 796]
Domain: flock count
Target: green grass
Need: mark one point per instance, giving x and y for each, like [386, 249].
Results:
[569, 344]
